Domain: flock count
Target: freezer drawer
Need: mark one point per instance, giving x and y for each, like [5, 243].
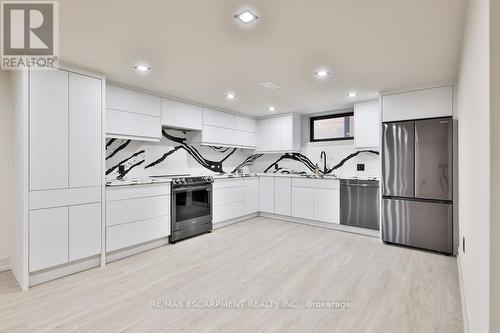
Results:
[433, 159]
[426, 225]
[398, 162]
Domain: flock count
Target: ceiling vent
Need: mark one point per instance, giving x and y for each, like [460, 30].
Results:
[270, 85]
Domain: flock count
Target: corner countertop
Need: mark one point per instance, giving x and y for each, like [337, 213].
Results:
[160, 180]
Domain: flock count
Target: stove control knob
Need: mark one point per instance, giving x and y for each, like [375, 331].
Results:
[183, 181]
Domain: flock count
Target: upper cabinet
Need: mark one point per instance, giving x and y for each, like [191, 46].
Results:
[225, 129]
[65, 130]
[367, 124]
[132, 115]
[420, 104]
[180, 115]
[279, 134]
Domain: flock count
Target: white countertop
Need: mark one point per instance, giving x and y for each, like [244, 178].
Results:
[156, 180]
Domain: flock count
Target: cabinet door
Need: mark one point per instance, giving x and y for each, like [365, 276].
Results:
[286, 133]
[367, 124]
[245, 124]
[132, 125]
[84, 231]
[263, 134]
[218, 118]
[245, 139]
[266, 194]
[275, 134]
[85, 133]
[283, 196]
[303, 202]
[180, 115]
[48, 238]
[48, 130]
[217, 135]
[327, 205]
[127, 100]
[251, 195]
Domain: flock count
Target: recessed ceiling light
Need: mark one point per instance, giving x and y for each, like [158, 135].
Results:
[271, 108]
[322, 73]
[230, 95]
[142, 68]
[246, 16]
[352, 94]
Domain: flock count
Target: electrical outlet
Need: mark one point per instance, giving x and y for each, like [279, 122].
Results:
[361, 167]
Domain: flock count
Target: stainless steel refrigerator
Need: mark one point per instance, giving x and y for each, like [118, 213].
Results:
[417, 180]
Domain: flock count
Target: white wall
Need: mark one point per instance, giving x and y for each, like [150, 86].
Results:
[5, 144]
[495, 167]
[473, 113]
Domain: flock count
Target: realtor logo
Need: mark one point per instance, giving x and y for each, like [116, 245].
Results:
[29, 34]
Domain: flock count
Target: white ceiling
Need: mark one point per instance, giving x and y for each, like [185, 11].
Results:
[198, 51]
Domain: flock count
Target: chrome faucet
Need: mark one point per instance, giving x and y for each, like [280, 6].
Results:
[323, 157]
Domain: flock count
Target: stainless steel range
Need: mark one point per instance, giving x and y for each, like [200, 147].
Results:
[191, 207]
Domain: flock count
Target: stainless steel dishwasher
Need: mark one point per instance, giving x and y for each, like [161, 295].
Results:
[359, 203]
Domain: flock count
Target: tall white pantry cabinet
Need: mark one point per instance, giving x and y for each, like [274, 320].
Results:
[58, 173]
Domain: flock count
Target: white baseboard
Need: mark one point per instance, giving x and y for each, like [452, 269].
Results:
[465, 314]
[4, 264]
[333, 226]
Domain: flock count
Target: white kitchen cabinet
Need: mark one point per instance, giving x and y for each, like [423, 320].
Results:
[283, 196]
[245, 139]
[367, 124]
[132, 115]
[218, 118]
[57, 120]
[225, 129]
[176, 114]
[419, 104]
[245, 124]
[136, 209]
[48, 127]
[84, 231]
[266, 194]
[128, 100]
[130, 234]
[327, 205]
[48, 238]
[136, 214]
[279, 134]
[303, 202]
[228, 211]
[251, 187]
[85, 132]
[228, 199]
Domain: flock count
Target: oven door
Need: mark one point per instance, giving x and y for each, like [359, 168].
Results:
[191, 206]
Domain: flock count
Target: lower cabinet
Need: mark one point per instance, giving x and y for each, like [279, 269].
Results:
[136, 214]
[63, 234]
[129, 234]
[251, 186]
[84, 231]
[303, 202]
[234, 198]
[283, 196]
[327, 205]
[316, 199]
[48, 238]
[266, 194]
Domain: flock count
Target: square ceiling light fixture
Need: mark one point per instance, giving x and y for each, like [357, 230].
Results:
[246, 16]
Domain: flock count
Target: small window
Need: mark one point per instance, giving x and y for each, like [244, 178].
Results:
[333, 127]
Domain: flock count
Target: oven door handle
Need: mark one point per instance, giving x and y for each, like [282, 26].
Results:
[191, 188]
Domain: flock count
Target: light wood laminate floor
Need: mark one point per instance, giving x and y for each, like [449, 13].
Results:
[390, 289]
